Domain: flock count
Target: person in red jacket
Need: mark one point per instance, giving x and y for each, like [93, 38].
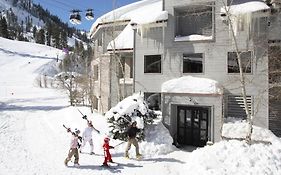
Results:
[107, 155]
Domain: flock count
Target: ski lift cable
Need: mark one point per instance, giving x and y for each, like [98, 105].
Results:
[50, 3]
[73, 5]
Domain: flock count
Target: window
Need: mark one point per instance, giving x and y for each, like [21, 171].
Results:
[153, 100]
[193, 63]
[126, 65]
[236, 107]
[152, 64]
[246, 60]
[195, 22]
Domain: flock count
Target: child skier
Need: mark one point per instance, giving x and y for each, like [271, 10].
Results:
[107, 155]
[74, 145]
[87, 136]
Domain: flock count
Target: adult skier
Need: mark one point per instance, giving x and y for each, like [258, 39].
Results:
[87, 136]
[132, 132]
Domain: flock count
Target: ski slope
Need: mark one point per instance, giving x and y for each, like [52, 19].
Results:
[33, 141]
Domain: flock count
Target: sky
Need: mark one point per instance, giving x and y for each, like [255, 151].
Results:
[33, 140]
[62, 9]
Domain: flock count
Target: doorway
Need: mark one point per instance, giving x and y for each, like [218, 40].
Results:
[192, 125]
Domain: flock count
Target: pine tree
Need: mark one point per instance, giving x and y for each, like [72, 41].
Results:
[40, 36]
[120, 126]
[4, 28]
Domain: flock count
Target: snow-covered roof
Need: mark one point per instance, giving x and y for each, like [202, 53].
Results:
[124, 41]
[191, 85]
[141, 12]
[240, 12]
[242, 7]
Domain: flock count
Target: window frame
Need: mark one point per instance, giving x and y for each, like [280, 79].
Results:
[203, 63]
[251, 62]
[179, 9]
[144, 64]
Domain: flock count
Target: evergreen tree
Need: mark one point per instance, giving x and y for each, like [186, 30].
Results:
[4, 28]
[40, 37]
[120, 126]
[34, 31]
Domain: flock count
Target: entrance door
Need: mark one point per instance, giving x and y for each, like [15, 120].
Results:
[192, 125]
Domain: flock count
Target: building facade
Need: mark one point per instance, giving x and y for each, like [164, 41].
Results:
[193, 38]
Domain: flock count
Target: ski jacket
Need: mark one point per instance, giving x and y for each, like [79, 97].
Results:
[106, 147]
[87, 133]
[132, 132]
[74, 142]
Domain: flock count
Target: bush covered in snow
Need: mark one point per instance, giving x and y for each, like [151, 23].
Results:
[132, 108]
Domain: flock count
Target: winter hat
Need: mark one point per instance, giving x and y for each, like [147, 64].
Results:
[106, 139]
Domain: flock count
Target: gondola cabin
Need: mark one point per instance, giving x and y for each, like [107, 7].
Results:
[89, 14]
[75, 17]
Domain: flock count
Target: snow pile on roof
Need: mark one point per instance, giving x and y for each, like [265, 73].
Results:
[246, 7]
[240, 13]
[124, 40]
[189, 84]
[141, 12]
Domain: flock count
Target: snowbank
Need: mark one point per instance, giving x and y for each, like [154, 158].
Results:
[189, 84]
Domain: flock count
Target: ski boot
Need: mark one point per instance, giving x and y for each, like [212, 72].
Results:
[138, 156]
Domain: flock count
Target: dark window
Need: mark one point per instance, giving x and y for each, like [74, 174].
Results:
[152, 64]
[153, 100]
[236, 107]
[194, 20]
[246, 60]
[193, 63]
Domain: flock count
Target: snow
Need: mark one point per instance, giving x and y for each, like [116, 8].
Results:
[246, 7]
[193, 85]
[33, 141]
[125, 40]
[193, 37]
[240, 13]
[141, 12]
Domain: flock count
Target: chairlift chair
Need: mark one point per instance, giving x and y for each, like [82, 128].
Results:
[89, 14]
[75, 17]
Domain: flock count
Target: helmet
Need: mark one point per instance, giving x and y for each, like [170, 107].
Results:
[106, 139]
[76, 131]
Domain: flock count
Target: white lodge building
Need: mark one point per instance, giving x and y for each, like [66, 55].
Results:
[183, 55]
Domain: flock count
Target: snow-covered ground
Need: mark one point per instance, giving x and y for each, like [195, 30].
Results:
[33, 141]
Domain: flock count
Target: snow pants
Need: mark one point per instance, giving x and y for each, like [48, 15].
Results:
[72, 152]
[107, 157]
[130, 142]
[90, 141]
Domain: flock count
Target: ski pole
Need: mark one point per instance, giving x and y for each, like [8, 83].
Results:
[119, 144]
